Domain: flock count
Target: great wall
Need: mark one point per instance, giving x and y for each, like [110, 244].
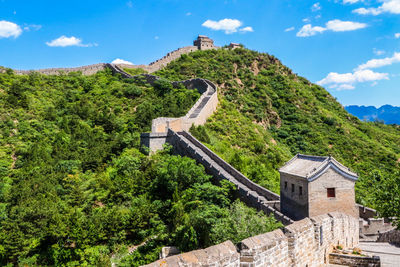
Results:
[307, 242]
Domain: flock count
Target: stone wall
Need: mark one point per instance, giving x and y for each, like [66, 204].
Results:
[365, 212]
[392, 236]
[249, 192]
[344, 200]
[303, 243]
[374, 226]
[164, 61]
[86, 70]
[224, 254]
[293, 204]
[198, 114]
[353, 260]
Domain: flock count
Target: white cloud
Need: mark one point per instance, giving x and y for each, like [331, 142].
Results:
[306, 20]
[397, 35]
[121, 61]
[188, 14]
[156, 37]
[388, 6]
[377, 63]
[32, 27]
[316, 7]
[227, 25]
[289, 29]
[345, 87]
[307, 30]
[346, 81]
[64, 41]
[367, 11]
[247, 29]
[342, 26]
[378, 52]
[9, 29]
[332, 25]
[351, 1]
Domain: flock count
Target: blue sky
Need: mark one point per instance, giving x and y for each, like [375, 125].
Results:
[351, 47]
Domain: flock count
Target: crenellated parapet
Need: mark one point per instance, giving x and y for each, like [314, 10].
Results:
[86, 70]
[308, 242]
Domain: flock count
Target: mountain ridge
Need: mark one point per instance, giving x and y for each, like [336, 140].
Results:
[386, 113]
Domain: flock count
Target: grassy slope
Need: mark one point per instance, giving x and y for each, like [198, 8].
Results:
[267, 114]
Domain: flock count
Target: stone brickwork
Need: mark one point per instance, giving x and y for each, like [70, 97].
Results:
[354, 261]
[344, 201]
[295, 204]
[252, 194]
[204, 43]
[365, 212]
[374, 226]
[303, 243]
[392, 236]
[371, 226]
[224, 254]
[314, 185]
[86, 70]
[269, 249]
[197, 115]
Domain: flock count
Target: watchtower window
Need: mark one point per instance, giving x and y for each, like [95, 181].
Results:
[292, 188]
[331, 192]
[300, 190]
[285, 185]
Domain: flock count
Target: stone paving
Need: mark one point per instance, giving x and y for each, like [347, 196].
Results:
[389, 254]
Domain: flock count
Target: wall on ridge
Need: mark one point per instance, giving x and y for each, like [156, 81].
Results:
[86, 70]
[197, 115]
[303, 243]
[249, 192]
[164, 61]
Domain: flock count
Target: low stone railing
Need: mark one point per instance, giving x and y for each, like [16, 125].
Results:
[391, 236]
[354, 260]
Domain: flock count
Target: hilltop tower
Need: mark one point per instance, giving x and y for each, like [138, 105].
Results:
[204, 42]
[312, 185]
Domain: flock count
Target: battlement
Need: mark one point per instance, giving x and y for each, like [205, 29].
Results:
[308, 242]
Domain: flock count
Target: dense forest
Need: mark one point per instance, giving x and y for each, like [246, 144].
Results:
[76, 188]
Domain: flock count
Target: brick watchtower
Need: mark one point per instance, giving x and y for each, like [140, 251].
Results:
[203, 43]
[312, 186]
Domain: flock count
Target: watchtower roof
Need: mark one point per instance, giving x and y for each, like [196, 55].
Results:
[311, 167]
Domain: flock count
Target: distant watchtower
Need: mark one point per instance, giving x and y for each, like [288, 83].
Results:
[312, 185]
[203, 42]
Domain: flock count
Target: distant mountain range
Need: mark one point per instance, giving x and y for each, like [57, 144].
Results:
[387, 113]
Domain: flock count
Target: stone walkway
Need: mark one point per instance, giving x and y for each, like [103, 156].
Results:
[389, 254]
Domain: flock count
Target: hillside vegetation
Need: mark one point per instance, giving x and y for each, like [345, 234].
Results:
[267, 114]
[75, 189]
